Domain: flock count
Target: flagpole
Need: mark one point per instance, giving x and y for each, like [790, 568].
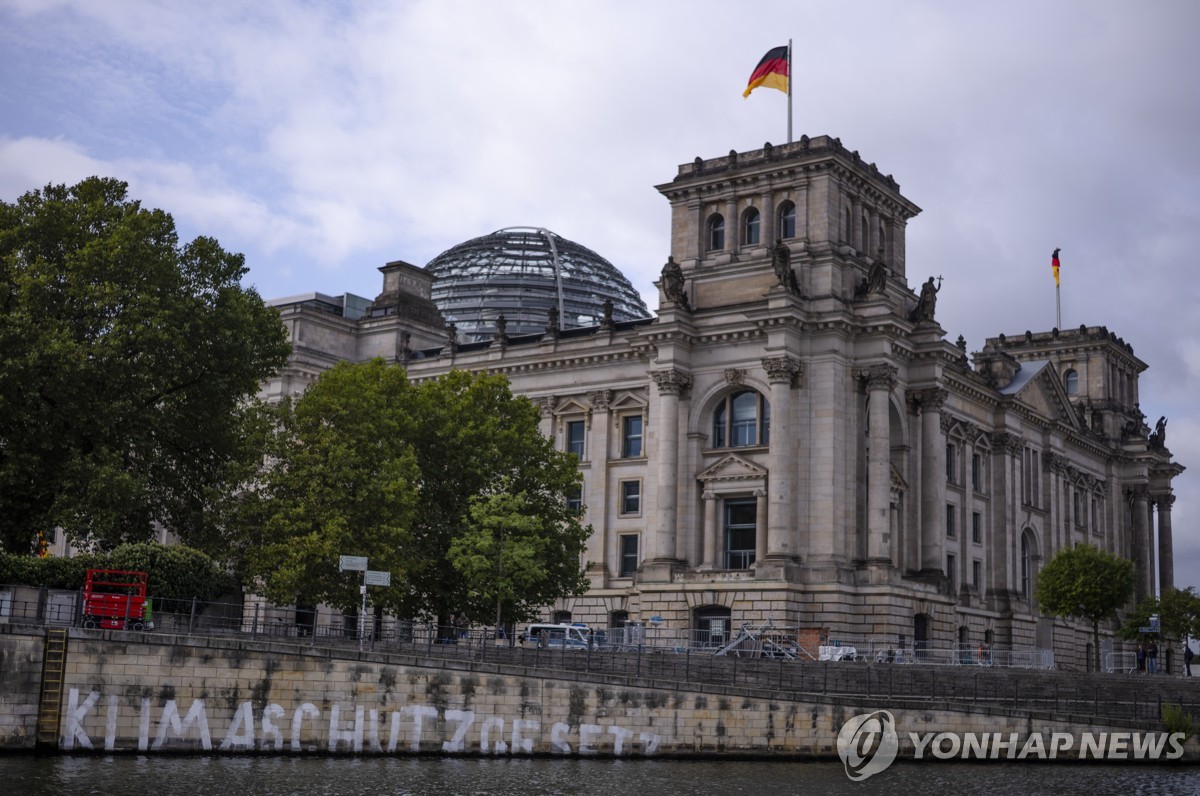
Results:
[1058, 306]
[789, 79]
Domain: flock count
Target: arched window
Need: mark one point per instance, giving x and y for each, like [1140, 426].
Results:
[716, 233]
[1071, 381]
[787, 221]
[750, 225]
[742, 419]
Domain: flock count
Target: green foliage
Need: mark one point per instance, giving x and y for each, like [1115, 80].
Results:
[342, 481]
[1087, 583]
[1178, 615]
[1177, 719]
[365, 463]
[519, 553]
[176, 572]
[124, 358]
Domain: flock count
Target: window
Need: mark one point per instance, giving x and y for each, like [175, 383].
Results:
[716, 234]
[575, 436]
[787, 220]
[631, 436]
[742, 419]
[977, 575]
[750, 225]
[951, 572]
[950, 464]
[1031, 477]
[631, 497]
[628, 556]
[1076, 508]
[1071, 381]
[575, 498]
[976, 527]
[976, 472]
[561, 618]
[1026, 566]
[741, 520]
[951, 531]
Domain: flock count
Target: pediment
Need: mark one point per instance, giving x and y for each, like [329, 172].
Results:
[733, 468]
[1045, 395]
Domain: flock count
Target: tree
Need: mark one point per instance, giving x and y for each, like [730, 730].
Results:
[342, 479]
[473, 438]
[125, 359]
[1086, 583]
[1178, 613]
[437, 483]
[520, 553]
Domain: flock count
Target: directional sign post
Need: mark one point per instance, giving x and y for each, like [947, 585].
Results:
[370, 578]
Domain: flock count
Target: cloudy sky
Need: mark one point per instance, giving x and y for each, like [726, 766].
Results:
[325, 139]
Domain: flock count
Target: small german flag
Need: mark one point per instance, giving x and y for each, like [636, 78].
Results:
[1054, 265]
[772, 71]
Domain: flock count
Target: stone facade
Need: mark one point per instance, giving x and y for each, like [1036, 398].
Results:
[794, 440]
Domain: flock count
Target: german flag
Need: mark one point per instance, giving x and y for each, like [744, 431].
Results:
[772, 71]
[1054, 265]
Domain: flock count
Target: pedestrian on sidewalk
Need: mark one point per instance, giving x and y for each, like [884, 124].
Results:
[1141, 659]
[1187, 659]
[1152, 658]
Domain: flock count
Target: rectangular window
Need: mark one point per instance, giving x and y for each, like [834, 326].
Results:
[575, 498]
[575, 437]
[741, 531]
[629, 555]
[976, 472]
[1032, 477]
[951, 573]
[977, 575]
[631, 497]
[950, 464]
[631, 436]
[951, 531]
[976, 527]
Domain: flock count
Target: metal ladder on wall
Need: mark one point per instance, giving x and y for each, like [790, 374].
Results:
[54, 662]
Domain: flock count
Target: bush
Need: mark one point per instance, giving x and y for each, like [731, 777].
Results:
[176, 572]
[1178, 720]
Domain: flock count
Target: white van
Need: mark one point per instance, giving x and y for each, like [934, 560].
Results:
[572, 636]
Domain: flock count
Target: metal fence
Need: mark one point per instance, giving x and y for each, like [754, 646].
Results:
[917, 677]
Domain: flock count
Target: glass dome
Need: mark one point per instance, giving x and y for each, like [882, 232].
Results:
[522, 273]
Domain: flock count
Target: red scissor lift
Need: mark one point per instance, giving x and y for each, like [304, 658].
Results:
[115, 599]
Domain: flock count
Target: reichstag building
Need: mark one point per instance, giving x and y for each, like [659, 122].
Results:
[791, 438]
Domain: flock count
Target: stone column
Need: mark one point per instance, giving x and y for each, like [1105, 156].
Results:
[733, 227]
[767, 227]
[781, 479]
[760, 524]
[1142, 549]
[672, 385]
[933, 479]
[1166, 564]
[594, 479]
[547, 404]
[881, 379]
[712, 531]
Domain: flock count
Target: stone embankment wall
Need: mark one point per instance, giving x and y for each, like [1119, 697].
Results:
[156, 693]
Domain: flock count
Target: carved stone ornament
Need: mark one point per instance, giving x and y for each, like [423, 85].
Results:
[735, 377]
[1009, 443]
[547, 403]
[672, 382]
[930, 399]
[879, 377]
[600, 399]
[782, 369]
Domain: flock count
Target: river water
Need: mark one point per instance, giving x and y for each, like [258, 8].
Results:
[161, 775]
